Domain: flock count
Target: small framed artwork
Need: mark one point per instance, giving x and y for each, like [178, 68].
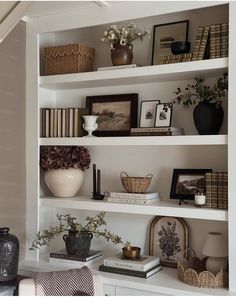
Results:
[117, 113]
[187, 182]
[147, 113]
[168, 239]
[164, 35]
[163, 115]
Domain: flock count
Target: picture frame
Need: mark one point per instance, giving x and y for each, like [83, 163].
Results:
[187, 182]
[117, 113]
[148, 113]
[169, 239]
[164, 35]
[163, 115]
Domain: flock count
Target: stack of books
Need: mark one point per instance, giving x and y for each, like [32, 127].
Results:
[161, 131]
[133, 198]
[217, 190]
[61, 257]
[200, 50]
[219, 40]
[117, 67]
[144, 266]
[165, 59]
[62, 122]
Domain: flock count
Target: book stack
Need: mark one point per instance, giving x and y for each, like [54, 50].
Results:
[117, 67]
[217, 190]
[61, 257]
[219, 40]
[200, 50]
[144, 266]
[161, 131]
[62, 122]
[165, 59]
[133, 198]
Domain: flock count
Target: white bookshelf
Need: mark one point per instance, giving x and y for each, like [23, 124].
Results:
[162, 208]
[187, 151]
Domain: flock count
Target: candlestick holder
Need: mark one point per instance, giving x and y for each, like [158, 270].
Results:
[97, 184]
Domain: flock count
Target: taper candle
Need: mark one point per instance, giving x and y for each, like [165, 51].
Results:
[99, 181]
[94, 180]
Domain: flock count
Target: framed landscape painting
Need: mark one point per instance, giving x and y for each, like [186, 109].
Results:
[117, 114]
[168, 239]
[187, 182]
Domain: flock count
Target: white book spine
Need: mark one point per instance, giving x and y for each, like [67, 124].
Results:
[132, 200]
[59, 261]
[133, 195]
[63, 123]
[130, 266]
[71, 122]
[58, 122]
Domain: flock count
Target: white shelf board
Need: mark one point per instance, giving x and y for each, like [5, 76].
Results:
[139, 75]
[164, 282]
[140, 140]
[162, 208]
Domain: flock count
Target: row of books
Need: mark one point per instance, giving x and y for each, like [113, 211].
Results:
[217, 190]
[143, 267]
[165, 59]
[133, 198]
[62, 122]
[161, 131]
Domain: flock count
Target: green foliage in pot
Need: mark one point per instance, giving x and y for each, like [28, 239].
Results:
[198, 92]
[64, 157]
[67, 223]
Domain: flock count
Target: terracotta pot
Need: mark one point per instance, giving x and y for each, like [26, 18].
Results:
[64, 182]
[121, 55]
[208, 118]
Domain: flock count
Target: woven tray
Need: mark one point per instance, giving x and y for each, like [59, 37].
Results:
[193, 272]
[135, 184]
[68, 59]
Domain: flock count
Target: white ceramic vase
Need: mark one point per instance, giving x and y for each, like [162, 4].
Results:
[90, 124]
[64, 182]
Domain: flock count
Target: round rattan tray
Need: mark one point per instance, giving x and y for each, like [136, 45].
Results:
[193, 272]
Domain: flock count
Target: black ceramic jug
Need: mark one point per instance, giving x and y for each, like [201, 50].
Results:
[9, 255]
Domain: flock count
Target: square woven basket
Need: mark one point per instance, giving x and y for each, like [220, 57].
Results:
[75, 58]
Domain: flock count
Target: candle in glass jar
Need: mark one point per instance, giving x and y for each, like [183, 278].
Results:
[200, 199]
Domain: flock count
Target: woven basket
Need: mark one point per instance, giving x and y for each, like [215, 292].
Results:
[68, 59]
[193, 272]
[135, 184]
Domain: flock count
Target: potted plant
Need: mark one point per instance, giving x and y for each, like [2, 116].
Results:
[64, 168]
[208, 115]
[121, 42]
[79, 236]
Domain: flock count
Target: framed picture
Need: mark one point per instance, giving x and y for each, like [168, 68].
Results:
[168, 239]
[147, 114]
[163, 115]
[187, 182]
[117, 113]
[164, 35]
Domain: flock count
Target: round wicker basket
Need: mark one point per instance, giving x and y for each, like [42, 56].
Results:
[193, 272]
[135, 184]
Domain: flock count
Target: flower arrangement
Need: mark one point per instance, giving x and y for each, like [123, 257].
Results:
[198, 92]
[124, 35]
[67, 224]
[64, 157]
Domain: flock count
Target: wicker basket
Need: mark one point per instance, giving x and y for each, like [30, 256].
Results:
[193, 272]
[68, 59]
[135, 184]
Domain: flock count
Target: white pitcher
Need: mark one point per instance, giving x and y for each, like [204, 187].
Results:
[90, 124]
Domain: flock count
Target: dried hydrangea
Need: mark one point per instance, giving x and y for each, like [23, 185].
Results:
[124, 35]
[68, 223]
[64, 157]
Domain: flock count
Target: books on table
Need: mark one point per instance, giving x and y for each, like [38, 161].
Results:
[133, 198]
[161, 131]
[143, 263]
[62, 257]
[142, 274]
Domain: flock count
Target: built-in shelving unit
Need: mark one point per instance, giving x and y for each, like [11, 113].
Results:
[162, 208]
[138, 75]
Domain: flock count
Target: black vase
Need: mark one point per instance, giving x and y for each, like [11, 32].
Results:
[78, 245]
[9, 255]
[208, 118]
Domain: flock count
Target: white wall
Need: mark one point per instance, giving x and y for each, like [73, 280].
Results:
[12, 133]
